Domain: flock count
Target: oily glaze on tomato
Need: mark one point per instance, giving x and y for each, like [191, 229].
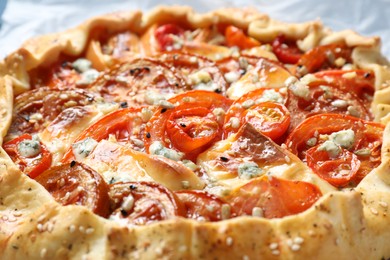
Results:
[190, 65]
[141, 203]
[287, 51]
[366, 145]
[203, 206]
[76, 184]
[236, 37]
[271, 197]
[35, 109]
[192, 125]
[137, 81]
[324, 97]
[32, 162]
[338, 170]
[323, 57]
[125, 125]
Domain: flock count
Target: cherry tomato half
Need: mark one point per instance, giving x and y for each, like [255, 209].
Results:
[286, 51]
[75, 183]
[141, 203]
[31, 156]
[165, 34]
[236, 37]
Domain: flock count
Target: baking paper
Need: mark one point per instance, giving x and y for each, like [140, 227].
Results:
[23, 19]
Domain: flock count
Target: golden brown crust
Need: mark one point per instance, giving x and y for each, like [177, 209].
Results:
[349, 224]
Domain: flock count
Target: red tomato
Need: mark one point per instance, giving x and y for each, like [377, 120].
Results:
[270, 118]
[35, 109]
[202, 205]
[142, 203]
[367, 143]
[165, 34]
[274, 197]
[325, 97]
[31, 165]
[322, 57]
[191, 124]
[286, 51]
[75, 183]
[338, 171]
[236, 37]
[125, 124]
[362, 84]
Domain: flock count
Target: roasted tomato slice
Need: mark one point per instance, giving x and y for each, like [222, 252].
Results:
[324, 97]
[269, 118]
[35, 109]
[142, 203]
[236, 37]
[273, 197]
[139, 82]
[338, 170]
[121, 45]
[194, 124]
[167, 35]
[126, 125]
[323, 57]
[359, 82]
[198, 71]
[203, 206]
[30, 155]
[360, 137]
[287, 51]
[77, 184]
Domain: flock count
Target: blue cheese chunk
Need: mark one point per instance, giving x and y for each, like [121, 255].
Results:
[331, 148]
[82, 65]
[157, 148]
[343, 138]
[29, 148]
[270, 95]
[249, 170]
[88, 76]
[83, 148]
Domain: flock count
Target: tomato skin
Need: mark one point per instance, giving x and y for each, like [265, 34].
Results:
[123, 123]
[275, 197]
[286, 51]
[163, 35]
[76, 183]
[338, 171]
[202, 205]
[236, 37]
[151, 202]
[322, 57]
[32, 166]
[162, 124]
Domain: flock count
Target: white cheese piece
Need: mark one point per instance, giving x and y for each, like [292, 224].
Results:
[200, 76]
[153, 97]
[83, 148]
[82, 65]
[331, 148]
[29, 148]
[344, 138]
[157, 148]
[270, 95]
[87, 77]
[232, 76]
[339, 103]
[249, 170]
[300, 90]
[128, 203]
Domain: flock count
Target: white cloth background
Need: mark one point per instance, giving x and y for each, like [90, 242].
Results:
[23, 19]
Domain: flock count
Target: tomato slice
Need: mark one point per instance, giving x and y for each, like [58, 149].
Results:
[32, 157]
[125, 124]
[338, 170]
[360, 82]
[77, 184]
[191, 126]
[35, 109]
[325, 97]
[167, 34]
[236, 37]
[367, 138]
[136, 80]
[141, 203]
[286, 51]
[201, 205]
[269, 118]
[273, 197]
[323, 57]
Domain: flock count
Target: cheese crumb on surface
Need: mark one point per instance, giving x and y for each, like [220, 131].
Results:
[29, 148]
[83, 148]
[157, 148]
[331, 148]
[249, 170]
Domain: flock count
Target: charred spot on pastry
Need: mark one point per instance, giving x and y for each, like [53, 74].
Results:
[124, 104]
[163, 110]
[224, 159]
[124, 213]
[72, 163]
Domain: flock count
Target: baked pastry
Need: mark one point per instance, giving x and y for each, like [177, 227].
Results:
[181, 135]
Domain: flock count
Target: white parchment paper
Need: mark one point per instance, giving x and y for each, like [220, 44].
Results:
[23, 19]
